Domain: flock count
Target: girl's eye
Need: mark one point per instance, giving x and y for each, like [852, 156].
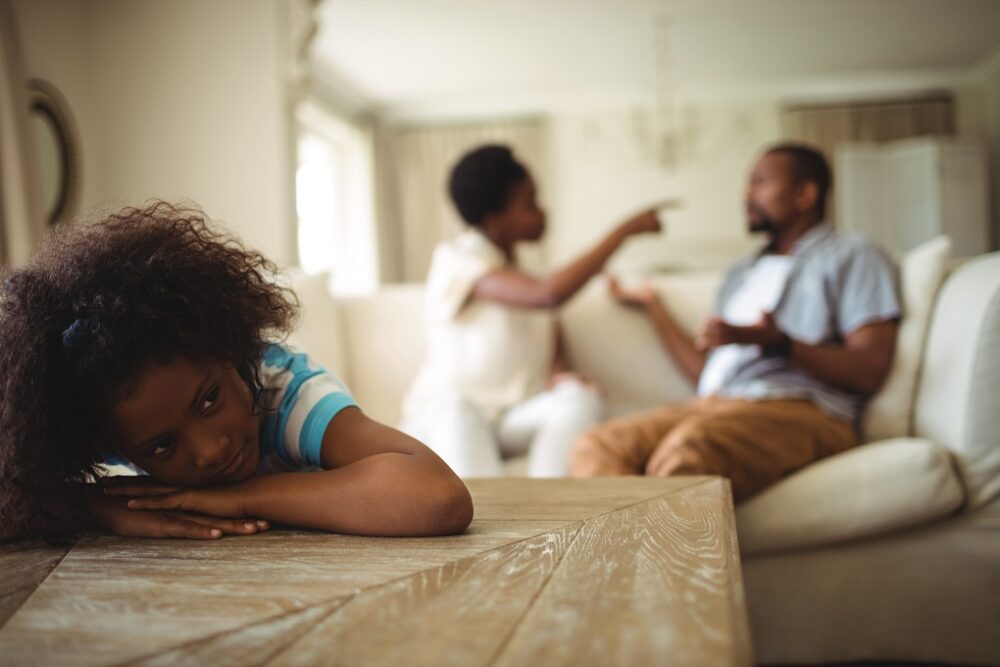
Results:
[210, 398]
[162, 447]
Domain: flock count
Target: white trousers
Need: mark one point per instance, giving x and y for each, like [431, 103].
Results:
[544, 426]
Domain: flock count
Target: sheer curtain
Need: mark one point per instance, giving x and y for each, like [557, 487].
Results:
[413, 209]
[21, 223]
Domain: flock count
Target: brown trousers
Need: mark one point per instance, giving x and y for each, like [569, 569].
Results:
[753, 443]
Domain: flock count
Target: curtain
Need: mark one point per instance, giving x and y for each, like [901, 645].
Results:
[413, 209]
[21, 222]
[827, 126]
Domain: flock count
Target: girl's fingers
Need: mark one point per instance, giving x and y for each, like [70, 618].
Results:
[227, 526]
[137, 490]
[168, 502]
[189, 530]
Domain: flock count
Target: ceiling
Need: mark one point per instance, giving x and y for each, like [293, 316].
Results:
[392, 54]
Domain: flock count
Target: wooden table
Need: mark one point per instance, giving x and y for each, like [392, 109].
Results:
[615, 571]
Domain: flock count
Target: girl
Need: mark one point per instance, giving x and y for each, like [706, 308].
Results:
[149, 338]
[496, 381]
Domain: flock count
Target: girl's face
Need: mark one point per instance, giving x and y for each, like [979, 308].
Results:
[190, 424]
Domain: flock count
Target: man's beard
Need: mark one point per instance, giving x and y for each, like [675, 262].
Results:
[763, 224]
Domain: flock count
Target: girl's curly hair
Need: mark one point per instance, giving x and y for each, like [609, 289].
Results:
[98, 305]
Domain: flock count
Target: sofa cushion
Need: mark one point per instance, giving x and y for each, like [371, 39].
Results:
[890, 412]
[385, 335]
[319, 331]
[866, 491]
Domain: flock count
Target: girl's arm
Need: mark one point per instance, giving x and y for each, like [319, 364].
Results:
[378, 481]
[516, 288]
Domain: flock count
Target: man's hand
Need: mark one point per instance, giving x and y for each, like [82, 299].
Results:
[717, 333]
[112, 512]
[643, 296]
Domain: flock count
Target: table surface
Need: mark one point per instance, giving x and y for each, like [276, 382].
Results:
[612, 571]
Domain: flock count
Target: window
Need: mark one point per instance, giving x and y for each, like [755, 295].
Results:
[334, 200]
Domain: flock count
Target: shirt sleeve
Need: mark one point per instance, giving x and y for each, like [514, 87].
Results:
[455, 269]
[869, 289]
[311, 398]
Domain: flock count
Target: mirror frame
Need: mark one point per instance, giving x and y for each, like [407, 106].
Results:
[45, 100]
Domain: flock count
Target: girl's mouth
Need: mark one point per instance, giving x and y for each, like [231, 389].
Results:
[235, 463]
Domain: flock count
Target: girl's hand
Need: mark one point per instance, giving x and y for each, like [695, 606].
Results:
[113, 514]
[217, 501]
[135, 485]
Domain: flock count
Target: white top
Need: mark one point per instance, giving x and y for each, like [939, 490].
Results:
[758, 293]
[491, 354]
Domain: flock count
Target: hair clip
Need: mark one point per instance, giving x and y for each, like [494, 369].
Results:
[76, 333]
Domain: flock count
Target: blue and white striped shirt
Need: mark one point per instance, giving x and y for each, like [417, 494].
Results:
[300, 399]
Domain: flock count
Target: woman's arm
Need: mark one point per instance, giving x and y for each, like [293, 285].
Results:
[516, 288]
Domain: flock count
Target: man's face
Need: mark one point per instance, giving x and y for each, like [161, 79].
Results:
[189, 423]
[773, 194]
[523, 218]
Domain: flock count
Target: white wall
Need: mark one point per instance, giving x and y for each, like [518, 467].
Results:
[603, 168]
[179, 99]
[598, 171]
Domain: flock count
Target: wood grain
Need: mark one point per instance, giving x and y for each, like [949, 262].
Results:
[254, 644]
[582, 572]
[25, 565]
[457, 614]
[513, 498]
[114, 599]
[650, 584]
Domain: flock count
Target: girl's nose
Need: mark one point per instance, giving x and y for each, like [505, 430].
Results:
[211, 450]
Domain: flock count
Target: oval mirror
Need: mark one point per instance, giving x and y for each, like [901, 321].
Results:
[54, 134]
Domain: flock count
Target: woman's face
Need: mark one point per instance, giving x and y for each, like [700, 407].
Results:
[524, 219]
[189, 423]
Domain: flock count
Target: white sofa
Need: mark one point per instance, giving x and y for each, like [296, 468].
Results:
[887, 552]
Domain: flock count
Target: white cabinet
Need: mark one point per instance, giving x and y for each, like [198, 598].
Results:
[905, 192]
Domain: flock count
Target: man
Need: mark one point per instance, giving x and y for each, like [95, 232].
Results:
[803, 333]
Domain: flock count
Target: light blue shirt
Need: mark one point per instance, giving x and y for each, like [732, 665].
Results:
[837, 284]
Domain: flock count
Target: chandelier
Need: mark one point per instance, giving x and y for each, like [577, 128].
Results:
[664, 133]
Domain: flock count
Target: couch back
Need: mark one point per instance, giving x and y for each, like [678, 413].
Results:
[376, 343]
[958, 393]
